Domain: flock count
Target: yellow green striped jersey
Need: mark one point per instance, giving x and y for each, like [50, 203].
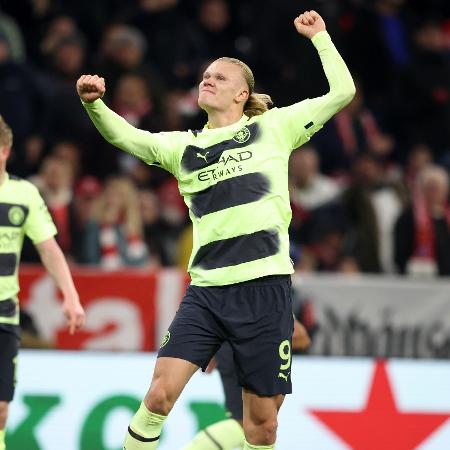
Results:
[22, 212]
[234, 179]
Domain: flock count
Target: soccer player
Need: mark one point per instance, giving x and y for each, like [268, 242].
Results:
[228, 434]
[22, 211]
[233, 175]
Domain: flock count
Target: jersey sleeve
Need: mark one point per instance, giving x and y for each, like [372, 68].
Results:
[300, 121]
[161, 149]
[39, 225]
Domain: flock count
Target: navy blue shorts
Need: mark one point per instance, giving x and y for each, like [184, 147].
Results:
[9, 349]
[254, 317]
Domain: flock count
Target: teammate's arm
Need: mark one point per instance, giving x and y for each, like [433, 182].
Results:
[54, 261]
[152, 148]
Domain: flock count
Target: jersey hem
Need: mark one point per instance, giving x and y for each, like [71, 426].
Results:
[236, 280]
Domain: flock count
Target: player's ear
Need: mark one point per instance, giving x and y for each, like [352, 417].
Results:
[242, 96]
[4, 152]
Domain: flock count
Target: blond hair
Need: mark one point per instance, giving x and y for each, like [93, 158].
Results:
[6, 137]
[129, 214]
[256, 104]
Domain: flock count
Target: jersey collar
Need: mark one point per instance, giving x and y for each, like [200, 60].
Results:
[234, 126]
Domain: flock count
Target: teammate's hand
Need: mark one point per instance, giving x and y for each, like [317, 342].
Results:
[90, 87]
[309, 23]
[74, 313]
[300, 338]
[211, 366]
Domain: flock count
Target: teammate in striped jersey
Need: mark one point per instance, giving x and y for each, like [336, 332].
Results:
[23, 212]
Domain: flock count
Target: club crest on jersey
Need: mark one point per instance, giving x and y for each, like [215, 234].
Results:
[243, 135]
[16, 215]
[165, 340]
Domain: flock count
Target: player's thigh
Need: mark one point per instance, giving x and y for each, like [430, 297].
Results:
[262, 349]
[195, 334]
[9, 348]
[231, 387]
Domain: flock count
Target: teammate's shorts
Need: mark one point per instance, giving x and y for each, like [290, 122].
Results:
[255, 317]
[231, 388]
[9, 348]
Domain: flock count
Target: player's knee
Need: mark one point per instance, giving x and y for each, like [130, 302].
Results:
[159, 399]
[262, 431]
[268, 431]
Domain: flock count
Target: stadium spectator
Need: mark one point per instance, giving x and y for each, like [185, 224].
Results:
[209, 36]
[10, 30]
[123, 50]
[378, 38]
[55, 183]
[422, 232]
[164, 28]
[133, 100]
[372, 203]
[309, 189]
[424, 94]
[86, 191]
[21, 105]
[419, 157]
[60, 28]
[353, 131]
[156, 231]
[313, 201]
[63, 118]
[71, 152]
[113, 237]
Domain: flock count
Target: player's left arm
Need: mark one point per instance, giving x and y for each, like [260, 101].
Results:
[342, 88]
[300, 338]
[301, 120]
[54, 261]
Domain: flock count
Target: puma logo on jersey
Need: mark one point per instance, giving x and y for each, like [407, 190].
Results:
[199, 155]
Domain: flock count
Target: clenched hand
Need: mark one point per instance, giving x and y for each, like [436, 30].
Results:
[90, 87]
[309, 24]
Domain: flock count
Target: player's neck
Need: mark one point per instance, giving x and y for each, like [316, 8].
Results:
[2, 175]
[219, 119]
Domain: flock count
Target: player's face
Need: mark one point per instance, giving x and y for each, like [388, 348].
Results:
[222, 86]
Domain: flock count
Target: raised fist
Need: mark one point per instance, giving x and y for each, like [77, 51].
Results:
[309, 23]
[90, 87]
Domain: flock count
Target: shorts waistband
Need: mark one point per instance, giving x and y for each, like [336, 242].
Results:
[264, 281]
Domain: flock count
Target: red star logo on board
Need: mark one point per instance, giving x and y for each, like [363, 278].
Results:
[380, 424]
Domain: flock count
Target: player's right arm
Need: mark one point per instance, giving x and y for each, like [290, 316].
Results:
[54, 261]
[39, 227]
[159, 148]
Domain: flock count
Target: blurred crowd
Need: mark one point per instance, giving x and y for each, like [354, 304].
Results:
[369, 192]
